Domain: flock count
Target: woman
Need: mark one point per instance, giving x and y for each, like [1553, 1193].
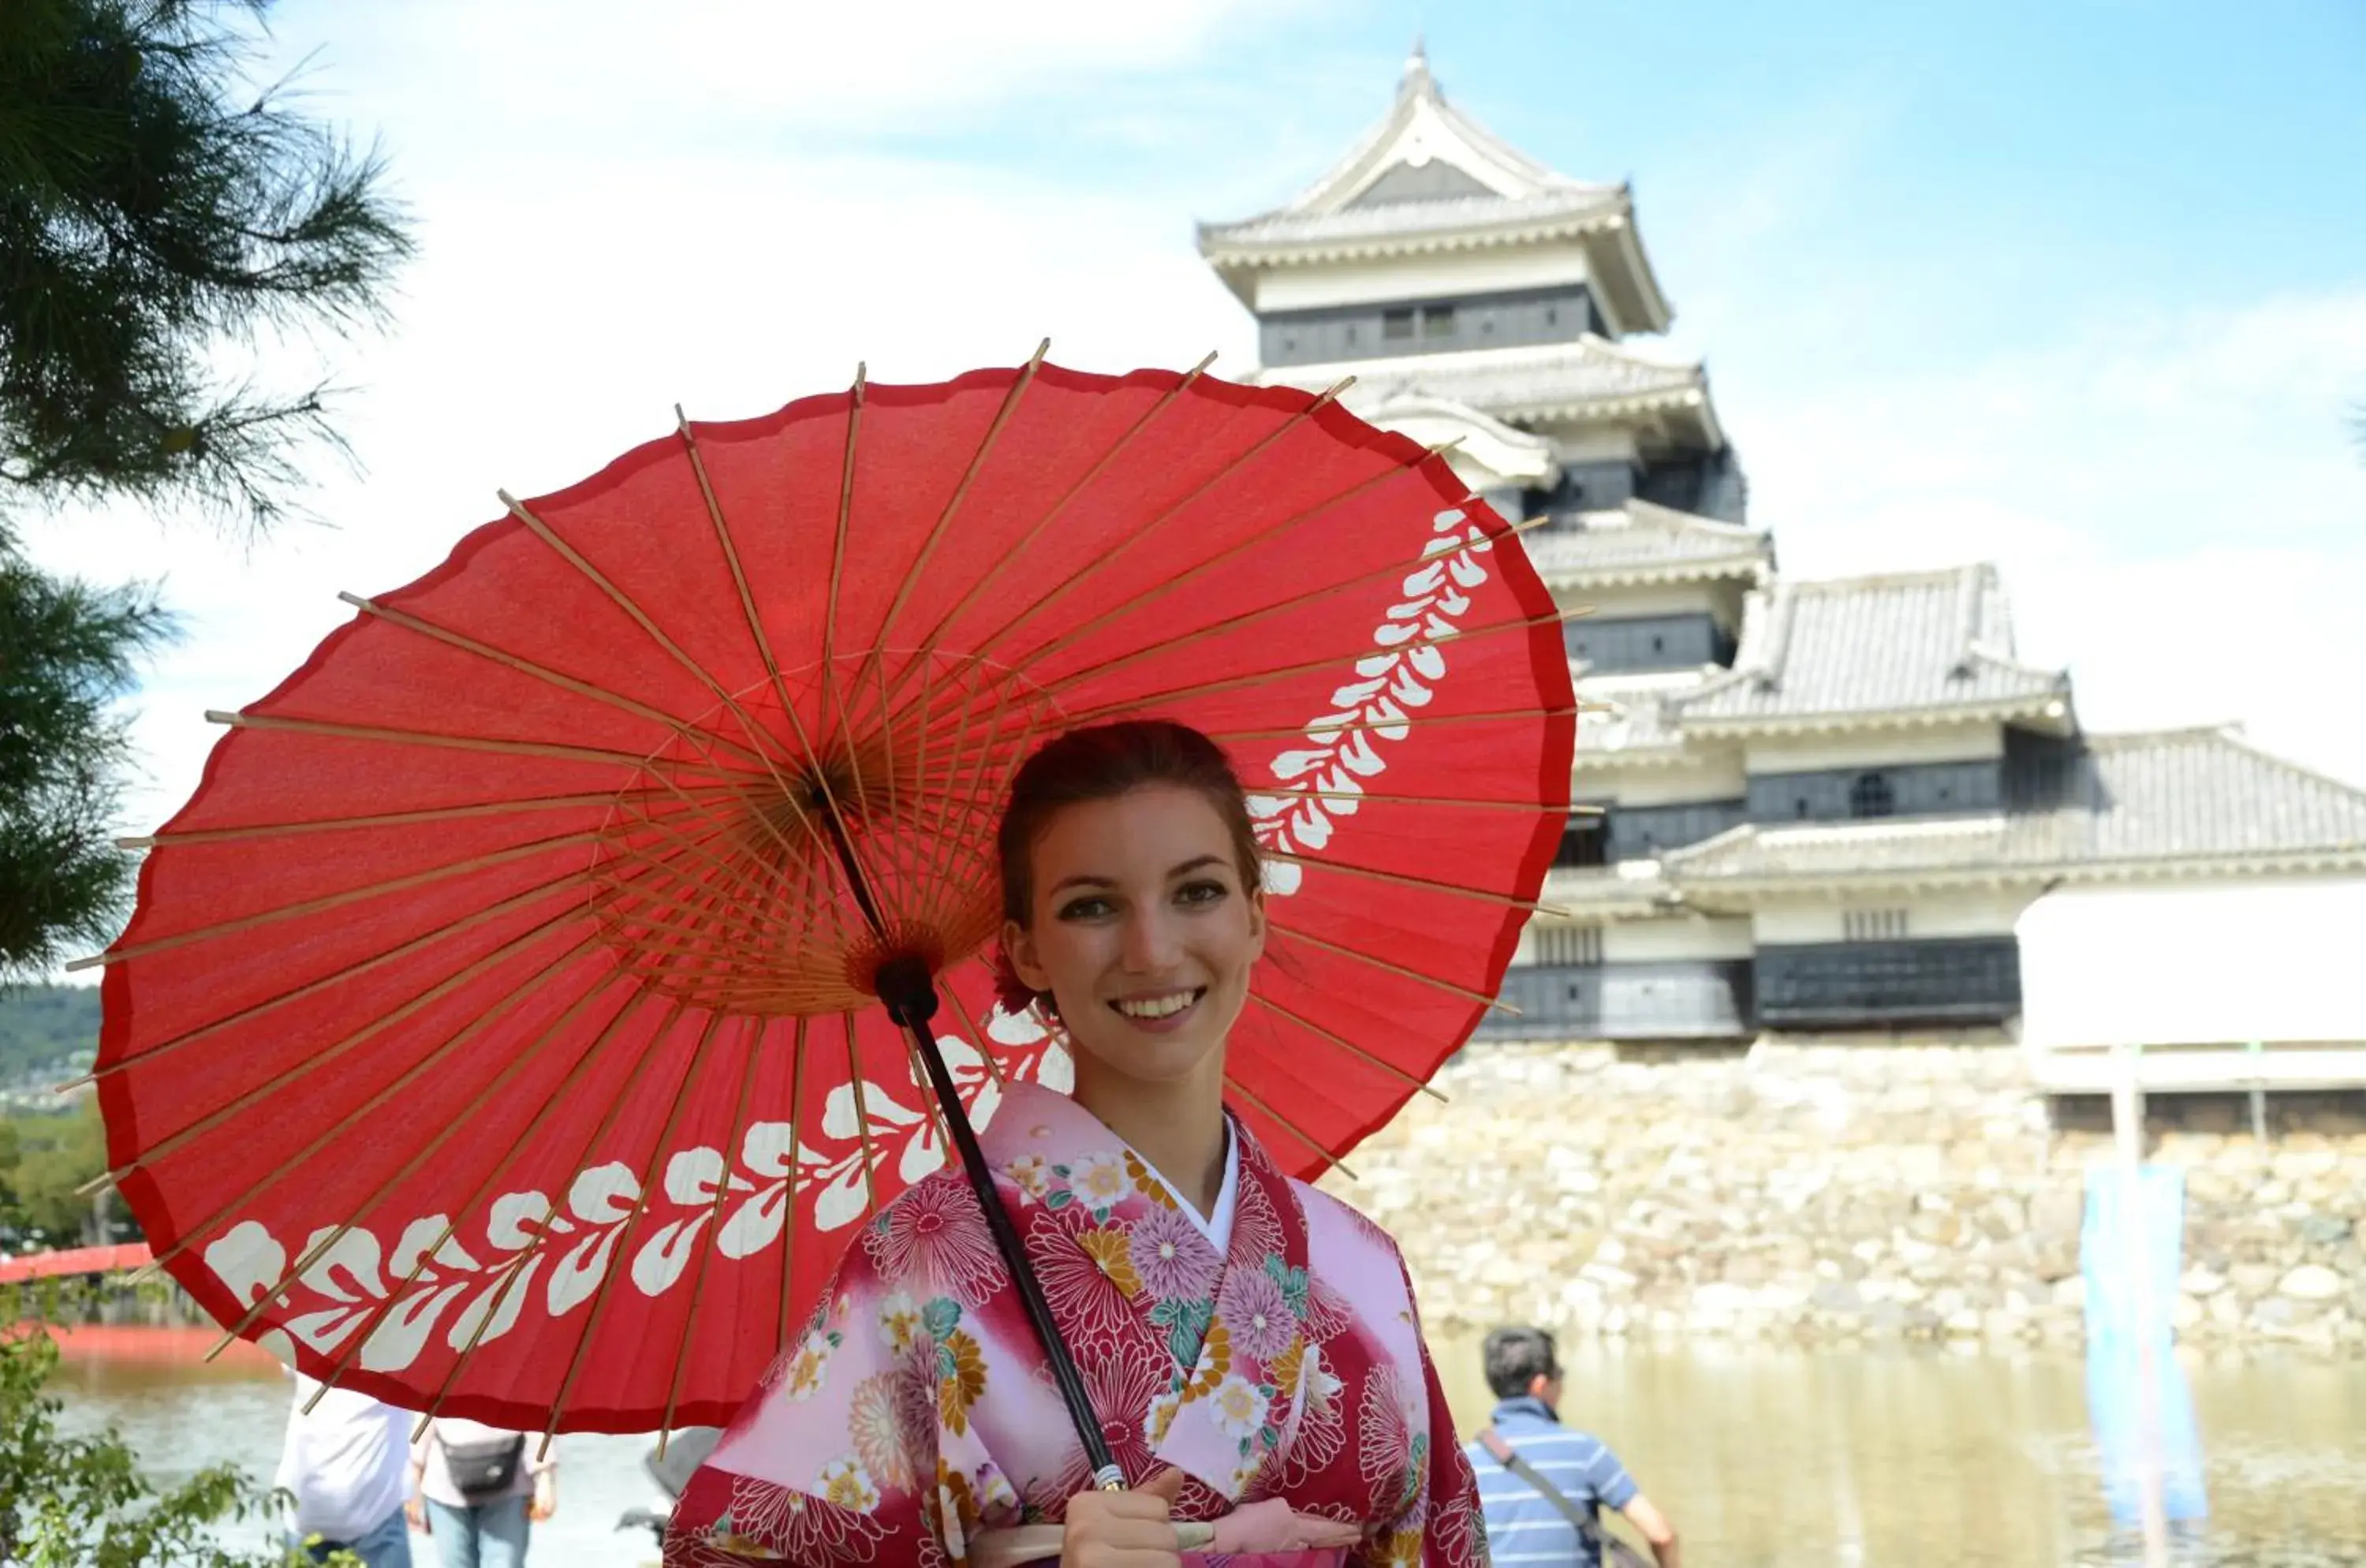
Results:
[1249, 1343]
[476, 1491]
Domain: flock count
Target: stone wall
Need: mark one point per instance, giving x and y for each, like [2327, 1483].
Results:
[1824, 1191]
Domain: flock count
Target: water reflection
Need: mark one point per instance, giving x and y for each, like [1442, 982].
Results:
[1765, 1457]
[1787, 1460]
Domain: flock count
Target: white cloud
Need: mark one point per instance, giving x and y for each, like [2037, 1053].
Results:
[2177, 506]
[555, 318]
[611, 222]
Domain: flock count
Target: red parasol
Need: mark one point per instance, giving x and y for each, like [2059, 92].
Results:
[498, 1030]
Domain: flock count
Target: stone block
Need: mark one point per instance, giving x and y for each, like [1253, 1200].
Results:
[2302, 1156]
[2325, 1230]
[2312, 1282]
[1937, 1227]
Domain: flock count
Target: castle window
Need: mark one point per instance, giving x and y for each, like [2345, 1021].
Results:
[1396, 323]
[1584, 842]
[1438, 322]
[1873, 925]
[1569, 944]
[1871, 795]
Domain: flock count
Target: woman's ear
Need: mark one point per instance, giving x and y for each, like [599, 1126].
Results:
[1020, 947]
[1256, 919]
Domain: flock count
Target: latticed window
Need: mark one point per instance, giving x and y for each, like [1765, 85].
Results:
[1567, 944]
[1873, 925]
[1871, 795]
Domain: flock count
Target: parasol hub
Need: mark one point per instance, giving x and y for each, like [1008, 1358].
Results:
[908, 986]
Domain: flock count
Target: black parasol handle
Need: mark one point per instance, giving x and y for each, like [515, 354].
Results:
[910, 993]
[905, 984]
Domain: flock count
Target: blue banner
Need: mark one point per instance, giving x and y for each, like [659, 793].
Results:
[2114, 1248]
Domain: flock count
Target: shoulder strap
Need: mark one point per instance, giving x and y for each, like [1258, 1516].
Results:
[1503, 1454]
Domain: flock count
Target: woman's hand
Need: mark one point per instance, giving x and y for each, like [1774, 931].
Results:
[414, 1511]
[1123, 1530]
[544, 1502]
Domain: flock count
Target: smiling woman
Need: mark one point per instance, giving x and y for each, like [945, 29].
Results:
[1206, 1295]
[1131, 889]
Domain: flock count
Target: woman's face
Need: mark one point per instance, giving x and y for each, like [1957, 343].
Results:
[1142, 931]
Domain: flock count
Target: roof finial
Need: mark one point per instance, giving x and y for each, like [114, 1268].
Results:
[1416, 66]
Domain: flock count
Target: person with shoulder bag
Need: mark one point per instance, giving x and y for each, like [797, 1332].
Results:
[477, 1491]
[1541, 1485]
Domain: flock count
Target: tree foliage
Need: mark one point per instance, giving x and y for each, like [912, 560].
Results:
[45, 1032]
[82, 1502]
[150, 219]
[155, 216]
[67, 652]
[45, 1161]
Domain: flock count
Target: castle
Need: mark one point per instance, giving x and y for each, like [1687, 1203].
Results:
[1816, 805]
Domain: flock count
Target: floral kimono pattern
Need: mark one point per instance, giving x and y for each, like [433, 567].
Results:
[918, 1410]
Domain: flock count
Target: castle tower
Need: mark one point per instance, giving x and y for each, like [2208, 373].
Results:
[1818, 805]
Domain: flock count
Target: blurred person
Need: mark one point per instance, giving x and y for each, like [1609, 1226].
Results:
[343, 1463]
[1548, 1514]
[476, 1493]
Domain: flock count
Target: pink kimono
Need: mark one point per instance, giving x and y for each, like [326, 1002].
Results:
[919, 1413]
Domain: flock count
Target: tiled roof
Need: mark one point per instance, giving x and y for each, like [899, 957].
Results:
[1640, 540]
[2094, 805]
[1421, 129]
[1539, 379]
[1858, 646]
[1567, 203]
[2178, 793]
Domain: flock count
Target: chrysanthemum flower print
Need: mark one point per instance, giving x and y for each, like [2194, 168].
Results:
[1173, 1261]
[1256, 1314]
[1110, 1248]
[961, 1380]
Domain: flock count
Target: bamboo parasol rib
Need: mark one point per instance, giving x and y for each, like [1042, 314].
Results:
[630, 1225]
[346, 1123]
[682, 886]
[515, 1066]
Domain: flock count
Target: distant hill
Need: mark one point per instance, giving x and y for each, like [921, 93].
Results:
[44, 1029]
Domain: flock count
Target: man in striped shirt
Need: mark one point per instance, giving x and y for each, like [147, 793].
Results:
[1523, 1526]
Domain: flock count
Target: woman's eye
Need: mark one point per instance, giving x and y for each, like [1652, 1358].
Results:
[1084, 908]
[1200, 892]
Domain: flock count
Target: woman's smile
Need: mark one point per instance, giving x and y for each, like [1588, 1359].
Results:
[1159, 1011]
[1146, 930]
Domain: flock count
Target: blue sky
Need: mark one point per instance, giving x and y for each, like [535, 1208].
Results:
[2078, 287]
